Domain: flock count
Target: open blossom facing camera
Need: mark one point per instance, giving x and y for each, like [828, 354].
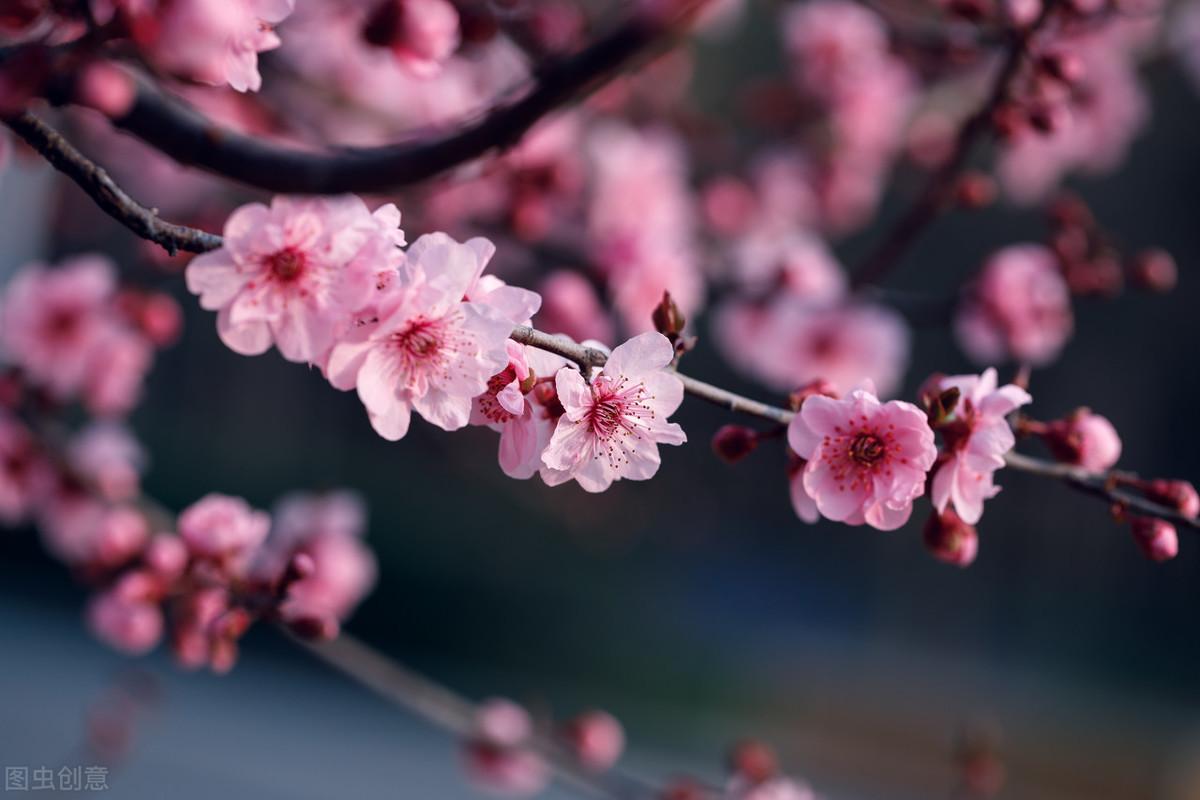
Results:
[611, 427]
[429, 351]
[291, 274]
[1018, 308]
[977, 436]
[867, 461]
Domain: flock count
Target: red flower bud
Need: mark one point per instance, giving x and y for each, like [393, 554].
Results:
[732, 443]
[1155, 537]
[819, 386]
[668, 319]
[1154, 270]
[951, 540]
[1179, 495]
[596, 738]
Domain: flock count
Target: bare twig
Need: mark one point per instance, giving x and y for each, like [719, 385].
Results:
[111, 198]
[191, 139]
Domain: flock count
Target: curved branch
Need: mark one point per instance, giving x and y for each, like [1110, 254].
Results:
[192, 140]
[111, 198]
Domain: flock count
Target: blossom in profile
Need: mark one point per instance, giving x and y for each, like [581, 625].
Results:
[867, 460]
[293, 273]
[612, 426]
[428, 351]
[977, 436]
[1156, 538]
[1086, 439]
[1019, 307]
[213, 41]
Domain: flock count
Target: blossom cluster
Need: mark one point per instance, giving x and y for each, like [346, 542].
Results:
[424, 330]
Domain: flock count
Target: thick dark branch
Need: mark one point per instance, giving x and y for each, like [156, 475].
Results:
[1098, 485]
[938, 192]
[190, 139]
[101, 188]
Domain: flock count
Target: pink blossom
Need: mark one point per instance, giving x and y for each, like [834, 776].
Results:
[788, 343]
[833, 43]
[222, 527]
[977, 437]
[421, 33]
[53, 321]
[216, 41]
[612, 426]
[328, 529]
[797, 259]
[951, 540]
[1019, 307]
[570, 306]
[130, 625]
[867, 461]
[105, 87]
[113, 385]
[292, 274]
[597, 739]
[429, 351]
[21, 470]
[496, 758]
[779, 788]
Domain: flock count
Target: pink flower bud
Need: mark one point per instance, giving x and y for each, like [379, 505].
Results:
[732, 443]
[160, 319]
[121, 535]
[518, 773]
[105, 87]
[951, 540]
[1154, 270]
[219, 526]
[127, 625]
[1086, 439]
[502, 722]
[753, 761]
[1179, 495]
[597, 739]
[166, 556]
[1155, 537]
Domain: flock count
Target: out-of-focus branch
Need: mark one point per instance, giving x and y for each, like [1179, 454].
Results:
[938, 193]
[111, 198]
[191, 139]
[1102, 485]
[454, 713]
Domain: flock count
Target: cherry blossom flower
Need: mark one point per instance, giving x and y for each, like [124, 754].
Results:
[1156, 538]
[788, 343]
[216, 41]
[292, 274]
[22, 470]
[128, 624]
[223, 528]
[571, 306]
[794, 258]
[52, 321]
[951, 540]
[1019, 307]
[867, 461]
[613, 425]
[833, 43]
[422, 34]
[977, 436]
[429, 351]
[597, 739]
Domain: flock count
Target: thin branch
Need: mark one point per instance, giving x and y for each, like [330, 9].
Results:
[938, 192]
[1100, 485]
[445, 709]
[111, 198]
[191, 139]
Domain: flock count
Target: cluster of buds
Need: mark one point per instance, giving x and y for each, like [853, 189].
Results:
[1090, 261]
[227, 567]
[505, 753]
[1157, 538]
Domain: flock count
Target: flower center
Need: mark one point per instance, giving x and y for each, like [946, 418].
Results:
[866, 449]
[419, 340]
[287, 265]
[605, 416]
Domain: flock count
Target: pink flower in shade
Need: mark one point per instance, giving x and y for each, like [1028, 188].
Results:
[328, 529]
[1019, 307]
[429, 351]
[597, 739]
[221, 527]
[215, 41]
[833, 44]
[612, 426]
[977, 436]
[511, 407]
[422, 34]
[1156, 538]
[1086, 439]
[788, 343]
[128, 624]
[119, 365]
[22, 471]
[52, 321]
[571, 306]
[794, 258]
[292, 274]
[867, 461]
